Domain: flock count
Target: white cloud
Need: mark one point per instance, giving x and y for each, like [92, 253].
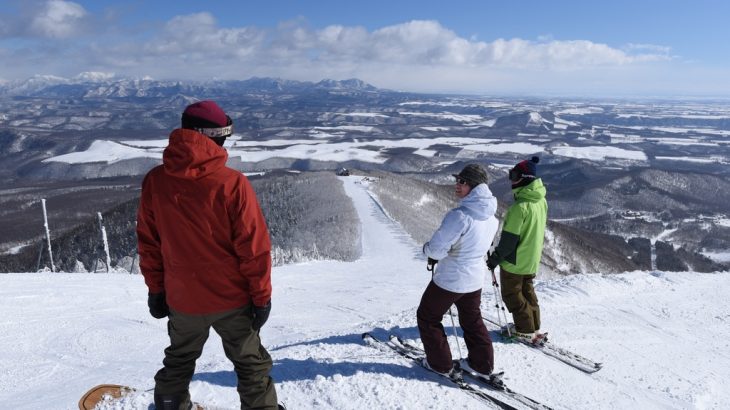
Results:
[649, 47]
[427, 42]
[418, 55]
[58, 19]
[198, 38]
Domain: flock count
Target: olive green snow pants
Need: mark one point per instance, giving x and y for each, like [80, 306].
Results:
[520, 298]
[241, 344]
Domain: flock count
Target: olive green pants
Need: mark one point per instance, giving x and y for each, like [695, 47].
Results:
[241, 344]
[520, 298]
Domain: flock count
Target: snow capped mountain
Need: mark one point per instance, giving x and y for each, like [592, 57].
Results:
[107, 85]
[269, 84]
[661, 336]
[536, 120]
[542, 121]
[31, 85]
[94, 76]
[351, 84]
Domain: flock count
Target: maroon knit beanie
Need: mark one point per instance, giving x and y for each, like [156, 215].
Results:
[209, 119]
[204, 114]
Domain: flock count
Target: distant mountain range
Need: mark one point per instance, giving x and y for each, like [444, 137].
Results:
[631, 184]
[100, 85]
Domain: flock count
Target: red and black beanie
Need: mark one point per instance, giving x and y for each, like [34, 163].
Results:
[524, 169]
[207, 118]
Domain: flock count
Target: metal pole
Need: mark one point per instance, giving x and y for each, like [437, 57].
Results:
[48, 234]
[134, 263]
[136, 254]
[105, 242]
[499, 304]
[456, 338]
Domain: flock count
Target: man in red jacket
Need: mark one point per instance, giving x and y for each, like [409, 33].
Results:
[205, 255]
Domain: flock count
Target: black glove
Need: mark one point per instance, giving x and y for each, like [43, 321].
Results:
[260, 315]
[431, 264]
[158, 305]
[492, 261]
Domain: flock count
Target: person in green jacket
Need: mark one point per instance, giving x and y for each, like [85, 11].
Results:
[520, 248]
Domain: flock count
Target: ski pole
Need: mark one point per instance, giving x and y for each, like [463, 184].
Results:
[456, 338]
[499, 303]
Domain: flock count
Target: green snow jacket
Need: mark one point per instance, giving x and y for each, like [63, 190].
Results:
[520, 246]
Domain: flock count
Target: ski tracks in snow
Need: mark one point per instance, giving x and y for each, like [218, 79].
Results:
[331, 297]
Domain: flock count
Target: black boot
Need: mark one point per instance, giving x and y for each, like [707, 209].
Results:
[173, 401]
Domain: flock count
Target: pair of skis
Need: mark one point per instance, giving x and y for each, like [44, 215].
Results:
[570, 358]
[489, 390]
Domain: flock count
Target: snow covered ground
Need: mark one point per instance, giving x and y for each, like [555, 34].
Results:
[326, 146]
[664, 338]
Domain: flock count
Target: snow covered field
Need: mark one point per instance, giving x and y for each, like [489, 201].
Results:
[664, 338]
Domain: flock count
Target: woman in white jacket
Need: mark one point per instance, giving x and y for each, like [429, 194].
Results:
[459, 246]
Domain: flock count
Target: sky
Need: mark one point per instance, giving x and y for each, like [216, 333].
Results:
[618, 48]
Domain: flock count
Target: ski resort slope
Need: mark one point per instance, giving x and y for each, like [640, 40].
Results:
[663, 337]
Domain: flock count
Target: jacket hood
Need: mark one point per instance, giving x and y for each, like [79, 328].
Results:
[480, 204]
[533, 192]
[192, 155]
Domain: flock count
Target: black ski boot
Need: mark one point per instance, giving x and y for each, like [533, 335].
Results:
[173, 401]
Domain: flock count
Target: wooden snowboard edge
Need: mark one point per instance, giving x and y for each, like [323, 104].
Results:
[93, 396]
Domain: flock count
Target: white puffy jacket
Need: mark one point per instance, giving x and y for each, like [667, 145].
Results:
[462, 241]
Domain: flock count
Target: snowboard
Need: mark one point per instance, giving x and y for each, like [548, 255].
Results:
[108, 394]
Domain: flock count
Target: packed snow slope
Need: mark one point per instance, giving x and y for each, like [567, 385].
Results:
[664, 338]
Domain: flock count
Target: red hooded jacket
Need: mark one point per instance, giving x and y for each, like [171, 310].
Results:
[201, 235]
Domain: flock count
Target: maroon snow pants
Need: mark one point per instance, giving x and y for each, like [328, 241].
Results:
[435, 302]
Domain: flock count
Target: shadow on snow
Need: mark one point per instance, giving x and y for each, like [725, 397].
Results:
[290, 370]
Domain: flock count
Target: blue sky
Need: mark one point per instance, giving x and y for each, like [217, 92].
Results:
[616, 48]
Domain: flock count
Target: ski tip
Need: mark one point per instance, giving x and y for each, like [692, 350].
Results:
[396, 338]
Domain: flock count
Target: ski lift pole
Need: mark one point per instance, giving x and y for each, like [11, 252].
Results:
[105, 243]
[430, 267]
[134, 258]
[48, 234]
